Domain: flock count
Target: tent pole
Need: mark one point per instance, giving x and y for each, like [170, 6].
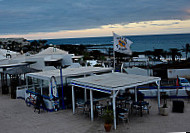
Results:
[73, 99]
[158, 84]
[63, 104]
[135, 93]
[85, 93]
[114, 111]
[41, 87]
[27, 82]
[91, 104]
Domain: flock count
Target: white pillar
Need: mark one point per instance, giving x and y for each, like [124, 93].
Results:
[91, 105]
[73, 99]
[135, 93]
[27, 82]
[85, 95]
[114, 110]
[158, 83]
[41, 86]
[122, 68]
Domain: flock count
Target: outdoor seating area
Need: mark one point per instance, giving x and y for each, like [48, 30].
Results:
[121, 106]
[126, 107]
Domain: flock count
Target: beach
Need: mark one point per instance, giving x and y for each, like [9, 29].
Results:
[16, 117]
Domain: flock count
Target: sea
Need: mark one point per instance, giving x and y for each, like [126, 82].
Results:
[141, 43]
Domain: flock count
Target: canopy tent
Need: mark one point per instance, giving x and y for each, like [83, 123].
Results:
[112, 83]
[68, 72]
[63, 76]
[16, 78]
[4, 82]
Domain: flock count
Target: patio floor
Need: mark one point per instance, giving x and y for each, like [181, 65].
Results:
[16, 117]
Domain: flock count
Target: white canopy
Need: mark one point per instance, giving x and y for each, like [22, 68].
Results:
[112, 83]
[68, 72]
[115, 81]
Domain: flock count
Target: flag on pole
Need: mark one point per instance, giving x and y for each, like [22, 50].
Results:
[122, 45]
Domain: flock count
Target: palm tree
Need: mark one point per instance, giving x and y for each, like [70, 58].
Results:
[42, 43]
[174, 52]
[187, 46]
[186, 49]
[35, 45]
[158, 53]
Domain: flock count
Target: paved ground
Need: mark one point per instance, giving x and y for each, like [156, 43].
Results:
[16, 117]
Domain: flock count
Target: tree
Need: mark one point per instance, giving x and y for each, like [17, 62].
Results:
[187, 46]
[42, 43]
[174, 52]
[158, 53]
[35, 45]
[186, 49]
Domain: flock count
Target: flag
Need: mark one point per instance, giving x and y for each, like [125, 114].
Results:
[121, 44]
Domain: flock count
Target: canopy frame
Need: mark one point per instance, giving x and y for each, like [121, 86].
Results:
[83, 83]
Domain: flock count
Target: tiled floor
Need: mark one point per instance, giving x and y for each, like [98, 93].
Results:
[16, 117]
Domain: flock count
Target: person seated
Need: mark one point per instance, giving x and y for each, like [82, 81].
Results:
[39, 102]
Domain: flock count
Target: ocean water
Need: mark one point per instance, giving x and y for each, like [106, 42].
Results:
[140, 43]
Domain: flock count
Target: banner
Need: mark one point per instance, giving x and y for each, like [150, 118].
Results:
[122, 45]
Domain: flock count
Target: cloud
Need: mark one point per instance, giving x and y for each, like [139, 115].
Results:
[165, 24]
[22, 17]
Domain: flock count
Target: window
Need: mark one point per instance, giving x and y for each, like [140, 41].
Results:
[45, 87]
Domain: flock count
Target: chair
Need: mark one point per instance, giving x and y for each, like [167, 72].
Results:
[86, 110]
[79, 107]
[141, 106]
[188, 94]
[37, 105]
[146, 108]
[99, 110]
[39, 102]
[124, 117]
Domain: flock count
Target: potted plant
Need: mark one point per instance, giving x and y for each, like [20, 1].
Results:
[108, 119]
[164, 109]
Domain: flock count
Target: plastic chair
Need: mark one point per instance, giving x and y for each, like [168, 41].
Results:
[79, 107]
[124, 117]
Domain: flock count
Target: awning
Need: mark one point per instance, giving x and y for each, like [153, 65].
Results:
[115, 81]
[68, 72]
[20, 70]
[13, 65]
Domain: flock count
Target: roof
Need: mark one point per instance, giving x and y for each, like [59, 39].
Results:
[20, 70]
[77, 56]
[52, 50]
[113, 81]
[69, 72]
[13, 65]
[52, 59]
[5, 51]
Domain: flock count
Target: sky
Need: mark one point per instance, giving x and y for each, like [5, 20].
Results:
[45, 19]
